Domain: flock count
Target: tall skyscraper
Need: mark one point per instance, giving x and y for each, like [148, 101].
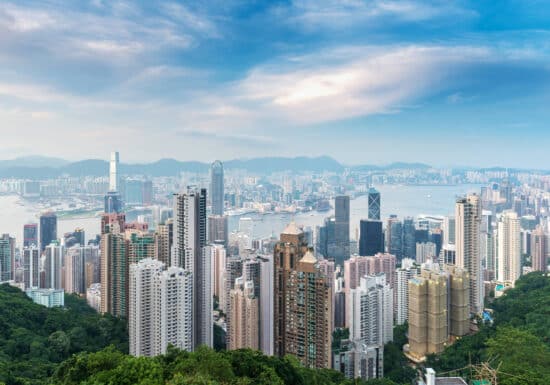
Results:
[7, 258]
[160, 308]
[75, 270]
[217, 188]
[467, 238]
[30, 235]
[243, 332]
[373, 204]
[425, 251]
[218, 269]
[371, 237]
[539, 249]
[303, 299]
[341, 229]
[449, 230]
[189, 241]
[394, 237]
[217, 230]
[141, 245]
[164, 239]
[31, 266]
[403, 276]
[409, 238]
[114, 269]
[53, 266]
[266, 304]
[509, 247]
[48, 229]
[114, 182]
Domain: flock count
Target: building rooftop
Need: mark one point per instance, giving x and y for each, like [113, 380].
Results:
[292, 229]
[309, 258]
[449, 381]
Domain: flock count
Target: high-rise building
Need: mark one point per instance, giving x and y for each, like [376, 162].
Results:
[357, 267]
[403, 276]
[373, 204]
[371, 238]
[141, 245]
[341, 229]
[30, 235]
[233, 270]
[509, 248]
[164, 239]
[394, 237]
[303, 299]
[92, 273]
[114, 270]
[114, 181]
[7, 258]
[218, 269]
[467, 239]
[31, 266]
[266, 304]
[425, 251]
[409, 238]
[539, 249]
[217, 188]
[75, 270]
[371, 311]
[449, 230]
[160, 308]
[76, 237]
[53, 266]
[243, 332]
[217, 230]
[189, 240]
[113, 202]
[48, 229]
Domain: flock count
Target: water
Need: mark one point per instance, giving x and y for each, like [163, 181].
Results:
[400, 200]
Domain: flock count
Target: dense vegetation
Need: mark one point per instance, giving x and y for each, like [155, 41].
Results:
[518, 343]
[35, 339]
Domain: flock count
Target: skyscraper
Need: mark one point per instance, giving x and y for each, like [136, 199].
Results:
[114, 182]
[539, 249]
[243, 332]
[394, 237]
[217, 188]
[160, 308]
[53, 266]
[75, 270]
[266, 304]
[371, 237]
[48, 229]
[30, 235]
[373, 204]
[409, 238]
[114, 269]
[189, 241]
[7, 258]
[164, 239]
[31, 266]
[341, 229]
[467, 238]
[217, 229]
[509, 247]
[403, 276]
[303, 300]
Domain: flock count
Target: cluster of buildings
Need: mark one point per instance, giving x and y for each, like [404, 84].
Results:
[287, 294]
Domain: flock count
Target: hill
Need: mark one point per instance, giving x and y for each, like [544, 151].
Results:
[35, 339]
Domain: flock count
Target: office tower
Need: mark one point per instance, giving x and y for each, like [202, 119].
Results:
[217, 229]
[371, 311]
[436, 237]
[341, 228]
[425, 251]
[438, 307]
[114, 270]
[394, 237]
[219, 255]
[48, 229]
[509, 248]
[189, 239]
[140, 245]
[73, 238]
[373, 204]
[53, 266]
[31, 266]
[217, 188]
[164, 239]
[402, 277]
[148, 193]
[112, 202]
[539, 247]
[30, 235]
[326, 241]
[114, 181]
[160, 308]
[75, 272]
[243, 332]
[371, 238]
[467, 240]
[357, 267]
[302, 306]
[266, 304]
[449, 230]
[409, 238]
[7, 258]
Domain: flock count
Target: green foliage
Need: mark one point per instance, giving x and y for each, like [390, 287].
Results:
[396, 366]
[35, 339]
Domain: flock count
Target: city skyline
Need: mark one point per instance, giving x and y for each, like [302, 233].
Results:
[363, 82]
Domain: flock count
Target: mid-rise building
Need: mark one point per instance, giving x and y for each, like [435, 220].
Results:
[243, 332]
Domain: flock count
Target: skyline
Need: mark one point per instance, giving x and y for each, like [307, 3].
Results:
[363, 82]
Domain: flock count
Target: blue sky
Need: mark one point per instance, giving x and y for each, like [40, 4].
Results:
[442, 82]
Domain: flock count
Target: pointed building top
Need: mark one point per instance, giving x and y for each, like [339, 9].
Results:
[292, 229]
[308, 258]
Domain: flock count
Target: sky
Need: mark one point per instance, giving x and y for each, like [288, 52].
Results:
[367, 82]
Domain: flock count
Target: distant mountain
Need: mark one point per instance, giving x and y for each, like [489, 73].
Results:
[34, 161]
[392, 166]
[168, 167]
